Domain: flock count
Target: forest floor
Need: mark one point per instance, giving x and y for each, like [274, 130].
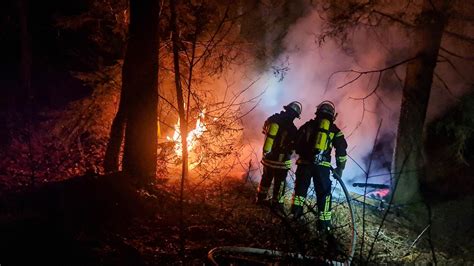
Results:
[104, 220]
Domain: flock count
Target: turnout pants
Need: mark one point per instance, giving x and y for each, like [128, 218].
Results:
[322, 184]
[278, 176]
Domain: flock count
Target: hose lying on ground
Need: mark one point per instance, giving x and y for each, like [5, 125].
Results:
[264, 252]
[294, 256]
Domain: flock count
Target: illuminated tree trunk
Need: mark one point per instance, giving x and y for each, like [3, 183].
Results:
[183, 125]
[135, 123]
[408, 156]
[117, 131]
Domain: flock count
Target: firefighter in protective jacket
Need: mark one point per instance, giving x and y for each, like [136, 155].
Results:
[280, 133]
[314, 143]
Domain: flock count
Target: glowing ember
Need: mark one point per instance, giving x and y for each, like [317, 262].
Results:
[192, 137]
[381, 193]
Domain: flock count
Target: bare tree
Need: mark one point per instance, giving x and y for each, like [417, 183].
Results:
[416, 94]
[426, 23]
[183, 119]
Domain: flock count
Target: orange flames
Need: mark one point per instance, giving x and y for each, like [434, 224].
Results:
[192, 137]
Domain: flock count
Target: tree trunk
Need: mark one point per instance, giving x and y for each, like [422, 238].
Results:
[137, 115]
[26, 103]
[112, 153]
[183, 125]
[140, 76]
[26, 94]
[408, 156]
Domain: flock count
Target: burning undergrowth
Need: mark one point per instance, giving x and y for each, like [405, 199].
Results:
[72, 141]
[379, 177]
[214, 145]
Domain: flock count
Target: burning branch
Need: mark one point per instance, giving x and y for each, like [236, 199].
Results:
[192, 136]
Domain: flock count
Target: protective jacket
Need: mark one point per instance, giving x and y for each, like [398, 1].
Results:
[280, 133]
[305, 143]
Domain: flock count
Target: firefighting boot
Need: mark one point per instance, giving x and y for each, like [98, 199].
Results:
[297, 211]
[323, 226]
[260, 198]
[278, 207]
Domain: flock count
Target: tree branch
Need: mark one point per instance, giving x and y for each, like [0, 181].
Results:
[391, 17]
[389, 206]
[168, 102]
[373, 91]
[468, 58]
[445, 85]
[459, 36]
[361, 73]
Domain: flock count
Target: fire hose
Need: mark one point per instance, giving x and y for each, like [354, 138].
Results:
[265, 252]
[296, 256]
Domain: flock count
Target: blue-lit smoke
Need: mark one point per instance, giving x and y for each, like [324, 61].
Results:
[307, 68]
[306, 79]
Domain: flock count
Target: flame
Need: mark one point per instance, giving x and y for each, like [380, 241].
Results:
[380, 193]
[192, 137]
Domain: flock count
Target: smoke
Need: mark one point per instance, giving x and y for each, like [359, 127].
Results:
[305, 72]
[296, 68]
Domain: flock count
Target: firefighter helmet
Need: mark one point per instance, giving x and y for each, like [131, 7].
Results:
[327, 108]
[294, 106]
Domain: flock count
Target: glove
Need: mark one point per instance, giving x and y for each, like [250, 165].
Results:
[337, 172]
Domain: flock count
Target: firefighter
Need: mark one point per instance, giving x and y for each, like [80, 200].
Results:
[280, 133]
[314, 143]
